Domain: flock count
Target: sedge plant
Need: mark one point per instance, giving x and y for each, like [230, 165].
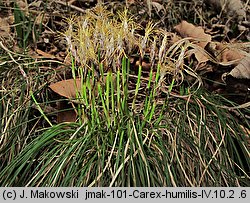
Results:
[132, 130]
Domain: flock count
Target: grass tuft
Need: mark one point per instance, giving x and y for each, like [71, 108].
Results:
[132, 129]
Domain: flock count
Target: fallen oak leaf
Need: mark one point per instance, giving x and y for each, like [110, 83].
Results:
[200, 54]
[225, 53]
[67, 88]
[201, 39]
[72, 87]
[242, 70]
[186, 29]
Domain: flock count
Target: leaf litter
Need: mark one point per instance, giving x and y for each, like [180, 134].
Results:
[222, 56]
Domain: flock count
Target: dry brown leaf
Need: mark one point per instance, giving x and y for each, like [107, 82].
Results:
[189, 30]
[67, 88]
[226, 54]
[199, 55]
[242, 70]
[197, 33]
